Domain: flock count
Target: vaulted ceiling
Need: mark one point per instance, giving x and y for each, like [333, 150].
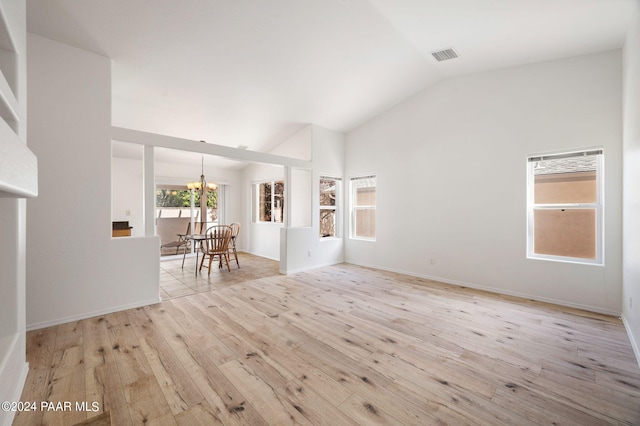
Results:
[252, 72]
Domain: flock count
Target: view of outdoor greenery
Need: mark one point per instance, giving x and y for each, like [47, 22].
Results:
[166, 197]
[271, 202]
[174, 216]
[328, 207]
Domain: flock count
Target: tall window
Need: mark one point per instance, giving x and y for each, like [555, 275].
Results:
[329, 193]
[363, 207]
[565, 206]
[270, 201]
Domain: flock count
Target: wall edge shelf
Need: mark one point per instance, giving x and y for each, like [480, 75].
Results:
[18, 166]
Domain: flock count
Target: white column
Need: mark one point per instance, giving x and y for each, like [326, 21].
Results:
[192, 228]
[149, 192]
[204, 217]
[287, 196]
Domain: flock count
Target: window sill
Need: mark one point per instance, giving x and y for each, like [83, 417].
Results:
[575, 261]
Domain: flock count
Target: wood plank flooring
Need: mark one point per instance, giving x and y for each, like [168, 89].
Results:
[341, 345]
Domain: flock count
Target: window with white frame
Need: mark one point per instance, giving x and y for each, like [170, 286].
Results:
[329, 206]
[565, 206]
[270, 201]
[363, 207]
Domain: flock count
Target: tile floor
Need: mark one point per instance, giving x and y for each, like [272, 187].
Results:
[177, 282]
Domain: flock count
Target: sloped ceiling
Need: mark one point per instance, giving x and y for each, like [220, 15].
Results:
[253, 72]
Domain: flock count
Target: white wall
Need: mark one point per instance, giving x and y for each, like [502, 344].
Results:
[127, 193]
[261, 239]
[298, 145]
[631, 167]
[13, 365]
[303, 246]
[127, 189]
[178, 173]
[451, 167]
[76, 269]
[301, 182]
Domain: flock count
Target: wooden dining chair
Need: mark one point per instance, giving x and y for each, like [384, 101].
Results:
[235, 230]
[216, 245]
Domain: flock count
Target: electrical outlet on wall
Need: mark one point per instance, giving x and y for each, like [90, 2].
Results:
[630, 302]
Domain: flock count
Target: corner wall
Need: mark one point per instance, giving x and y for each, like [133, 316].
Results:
[303, 248]
[263, 239]
[631, 170]
[298, 247]
[13, 363]
[75, 269]
[260, 239]
[451, 168]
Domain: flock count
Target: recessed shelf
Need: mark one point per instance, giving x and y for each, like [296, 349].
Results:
[18, 166]
[8, 101]
[8, 54]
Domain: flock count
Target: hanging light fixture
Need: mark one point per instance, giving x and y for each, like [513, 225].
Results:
[201, 187]
[202, 184]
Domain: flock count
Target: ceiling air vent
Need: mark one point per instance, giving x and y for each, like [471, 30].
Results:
[443, 55]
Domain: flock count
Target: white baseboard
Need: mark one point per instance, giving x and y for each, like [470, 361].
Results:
[262, 255]
[86, 315]
[12, 381]
[18, 392]
[308, 268]
[634, 344]
[496, 290]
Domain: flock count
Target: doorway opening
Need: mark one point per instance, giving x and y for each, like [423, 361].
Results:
[180, 211]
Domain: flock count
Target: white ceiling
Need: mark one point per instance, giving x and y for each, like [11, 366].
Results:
[253, 72]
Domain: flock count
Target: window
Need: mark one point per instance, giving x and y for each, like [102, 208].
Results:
[565, 209]
[175, 201]
[329, 192]
[363, 207]
[270, 201]
[174, 207]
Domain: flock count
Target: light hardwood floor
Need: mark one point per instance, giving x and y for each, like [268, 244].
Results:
[341, 345]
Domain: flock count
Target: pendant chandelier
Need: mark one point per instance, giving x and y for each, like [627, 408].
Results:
[201, 185]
